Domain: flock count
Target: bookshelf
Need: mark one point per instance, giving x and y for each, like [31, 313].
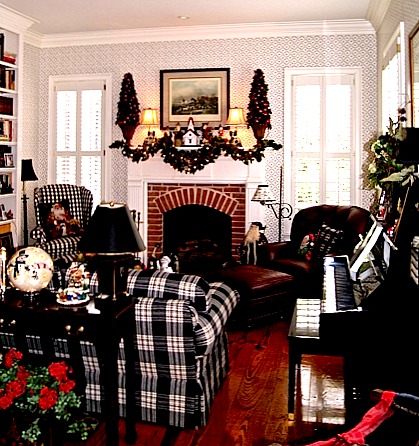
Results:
[13, 26]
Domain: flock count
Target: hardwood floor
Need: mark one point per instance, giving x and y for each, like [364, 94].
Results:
[251, 407]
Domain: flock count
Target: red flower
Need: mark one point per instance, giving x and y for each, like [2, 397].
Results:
[22, 374]
[58, 370]
[6, 401]
[67, 386]
[10, 357]
[48, 398]
[15, 388]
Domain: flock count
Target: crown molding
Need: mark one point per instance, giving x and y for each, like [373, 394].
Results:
[240, 31]
[377, 10]
[16, 21]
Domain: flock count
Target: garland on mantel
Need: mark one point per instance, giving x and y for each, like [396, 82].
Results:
[191, 160]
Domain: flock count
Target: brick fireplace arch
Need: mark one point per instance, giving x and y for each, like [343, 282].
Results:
[227, 198]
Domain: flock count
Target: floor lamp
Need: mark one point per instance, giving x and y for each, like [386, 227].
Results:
[27, 174]
[264, 196]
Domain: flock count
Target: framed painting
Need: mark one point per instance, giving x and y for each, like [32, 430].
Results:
[202, 93]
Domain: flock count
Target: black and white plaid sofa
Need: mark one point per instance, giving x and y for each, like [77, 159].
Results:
[181, 345]
[80, 201]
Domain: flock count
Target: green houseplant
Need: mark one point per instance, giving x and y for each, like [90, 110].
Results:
[385, 149]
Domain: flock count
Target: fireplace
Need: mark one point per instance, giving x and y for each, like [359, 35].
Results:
[226, 186]
[199, 236]
[199, 223]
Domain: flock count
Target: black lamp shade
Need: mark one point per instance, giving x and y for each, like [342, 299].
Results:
[27, 173]
[111, 231]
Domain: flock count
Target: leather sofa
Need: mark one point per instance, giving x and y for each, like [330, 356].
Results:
[349, 222]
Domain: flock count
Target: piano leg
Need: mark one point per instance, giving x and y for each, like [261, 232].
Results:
[294, 361]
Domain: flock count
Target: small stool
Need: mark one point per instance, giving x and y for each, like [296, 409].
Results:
[265, 294]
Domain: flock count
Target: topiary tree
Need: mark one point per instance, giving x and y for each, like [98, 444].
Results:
[259, 113]
[128, 116]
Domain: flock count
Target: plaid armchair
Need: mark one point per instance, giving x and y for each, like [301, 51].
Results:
[181, 347]
[79, 201]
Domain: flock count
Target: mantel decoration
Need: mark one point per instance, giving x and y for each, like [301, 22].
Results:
[190, 149]
[128, 116]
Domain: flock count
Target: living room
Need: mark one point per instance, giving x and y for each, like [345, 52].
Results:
[278, 49]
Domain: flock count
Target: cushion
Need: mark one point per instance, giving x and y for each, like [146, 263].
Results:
[326, 241]
[57, 220]
[306, 246]
[163, 285]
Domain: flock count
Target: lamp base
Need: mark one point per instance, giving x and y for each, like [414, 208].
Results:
[112, 273]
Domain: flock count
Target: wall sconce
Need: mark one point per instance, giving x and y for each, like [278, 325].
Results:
[236, 119]
[264, 196]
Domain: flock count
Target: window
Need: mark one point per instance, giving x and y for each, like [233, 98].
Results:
[322, 137]
[393, 94]
[78, 138]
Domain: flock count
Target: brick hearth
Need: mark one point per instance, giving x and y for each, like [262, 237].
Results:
[227, 198]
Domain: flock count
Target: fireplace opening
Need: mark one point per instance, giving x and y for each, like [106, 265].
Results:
[199, 236]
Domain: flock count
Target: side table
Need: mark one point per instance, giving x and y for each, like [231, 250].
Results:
[102, 322]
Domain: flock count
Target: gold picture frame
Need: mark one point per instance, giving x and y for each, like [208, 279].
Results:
[202, 93]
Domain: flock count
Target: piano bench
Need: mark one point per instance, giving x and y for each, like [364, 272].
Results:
[265, 295]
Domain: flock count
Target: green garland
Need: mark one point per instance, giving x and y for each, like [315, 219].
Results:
[192, 160]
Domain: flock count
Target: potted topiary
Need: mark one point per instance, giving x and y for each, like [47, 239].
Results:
[259, 113]
[128, 116]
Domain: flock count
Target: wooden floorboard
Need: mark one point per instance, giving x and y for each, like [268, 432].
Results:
[251, 407]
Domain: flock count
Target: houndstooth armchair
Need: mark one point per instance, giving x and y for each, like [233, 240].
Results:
[62, 212]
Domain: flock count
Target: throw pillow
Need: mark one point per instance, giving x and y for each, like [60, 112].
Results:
[326, 241]
[306, 247]
[57, 220]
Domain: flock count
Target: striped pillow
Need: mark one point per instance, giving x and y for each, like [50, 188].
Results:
[326, 241]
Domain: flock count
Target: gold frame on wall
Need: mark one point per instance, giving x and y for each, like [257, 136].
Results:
[186, 85]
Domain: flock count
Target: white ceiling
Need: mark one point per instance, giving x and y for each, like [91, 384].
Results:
[81, 16]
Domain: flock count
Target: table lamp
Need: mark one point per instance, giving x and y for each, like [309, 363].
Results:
[110, 241]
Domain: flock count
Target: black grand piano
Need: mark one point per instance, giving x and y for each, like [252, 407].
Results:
[368, 315]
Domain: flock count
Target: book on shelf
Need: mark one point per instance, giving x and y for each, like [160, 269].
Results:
[6, 105]
[1, 46]
[7, 78]
[6, 130]
[6, 183]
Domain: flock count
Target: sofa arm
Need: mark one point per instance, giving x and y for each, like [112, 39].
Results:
[38, 234]
[271, 251]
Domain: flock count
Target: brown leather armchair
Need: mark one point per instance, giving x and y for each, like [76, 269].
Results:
[284, 256]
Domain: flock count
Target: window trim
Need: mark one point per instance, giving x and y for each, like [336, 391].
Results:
[395, 47]
[289, 73]
[107, 80]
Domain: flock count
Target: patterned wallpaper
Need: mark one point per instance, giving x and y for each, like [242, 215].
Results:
[145, 60]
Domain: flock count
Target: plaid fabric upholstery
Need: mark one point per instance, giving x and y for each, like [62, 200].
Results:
[181, 354]
[80, 202]
[170, 286]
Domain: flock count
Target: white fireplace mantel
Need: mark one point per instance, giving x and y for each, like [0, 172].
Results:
[223, 171]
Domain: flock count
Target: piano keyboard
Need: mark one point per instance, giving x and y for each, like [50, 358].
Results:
[338, 294]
